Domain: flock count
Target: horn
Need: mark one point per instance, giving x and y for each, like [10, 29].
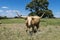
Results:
[42, 15]
[21, 16]
[18, 14]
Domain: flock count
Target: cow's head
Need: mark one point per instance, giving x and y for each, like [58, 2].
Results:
[29, 20]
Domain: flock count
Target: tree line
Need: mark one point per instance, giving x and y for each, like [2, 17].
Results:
[3, 17]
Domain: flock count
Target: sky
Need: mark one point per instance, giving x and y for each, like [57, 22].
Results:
[9, 7]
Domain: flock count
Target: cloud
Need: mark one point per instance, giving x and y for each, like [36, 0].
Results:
[4, 7]
[57, 14]
[1, 10]
[9, 13]
[13, 12]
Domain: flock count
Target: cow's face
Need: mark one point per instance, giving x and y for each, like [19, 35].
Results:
[29, 20]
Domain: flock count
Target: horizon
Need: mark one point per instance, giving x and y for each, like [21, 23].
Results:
[9, 7]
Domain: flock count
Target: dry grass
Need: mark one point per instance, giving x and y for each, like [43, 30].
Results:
[14, 29]
[17, 32]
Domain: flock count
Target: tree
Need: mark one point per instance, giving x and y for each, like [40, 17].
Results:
[5, 17]
[38, 7]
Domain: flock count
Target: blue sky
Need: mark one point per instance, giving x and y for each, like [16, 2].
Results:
[9, 7]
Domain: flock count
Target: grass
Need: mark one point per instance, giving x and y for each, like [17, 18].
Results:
[10, 21]
[14, 29]
[50, 22]
[43, 21]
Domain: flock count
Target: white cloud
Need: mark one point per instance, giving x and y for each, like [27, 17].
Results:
[4, 7]
[57, 14]
[1, 10]
[9, 13]
[13, 12]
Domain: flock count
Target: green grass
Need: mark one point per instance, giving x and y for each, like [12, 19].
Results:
[43, 21]
[50, 21]
[9, 21]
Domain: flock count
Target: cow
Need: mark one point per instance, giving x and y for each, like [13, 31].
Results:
[32, 22]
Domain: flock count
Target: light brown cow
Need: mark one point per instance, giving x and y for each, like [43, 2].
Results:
[32, 22]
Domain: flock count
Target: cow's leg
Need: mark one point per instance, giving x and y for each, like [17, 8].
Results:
[33, 29]
[37, 27]
[28, 29]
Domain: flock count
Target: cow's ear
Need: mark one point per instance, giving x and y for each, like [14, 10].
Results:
[32, 18]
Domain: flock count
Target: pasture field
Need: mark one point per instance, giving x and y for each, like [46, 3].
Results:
[14, 29]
